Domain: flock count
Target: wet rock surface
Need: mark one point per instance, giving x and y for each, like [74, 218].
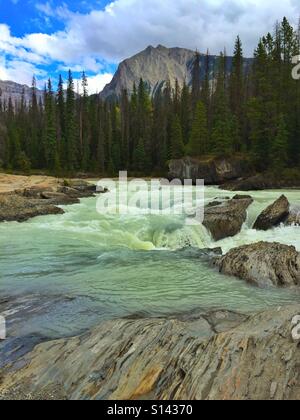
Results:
[263, 264]
[272, 216]
[259, 182]
[226, 219]
[38, 200]
[205, 356]
[14, 207]
[293, 218]
[213, 171]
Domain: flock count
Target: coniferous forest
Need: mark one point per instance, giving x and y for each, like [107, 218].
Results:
[253, 111]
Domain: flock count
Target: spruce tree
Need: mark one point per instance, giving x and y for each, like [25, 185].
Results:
[186, 110]
[61, 123]
[51, 156]
[199, 140]
[177, 146]
[71, 157]
[196, 79]
[84, 126]
[279, 150]
[237, 91]
[140, 162]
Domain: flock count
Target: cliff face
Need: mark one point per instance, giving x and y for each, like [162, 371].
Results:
[14, 91]
[157, 66]
[213, 171]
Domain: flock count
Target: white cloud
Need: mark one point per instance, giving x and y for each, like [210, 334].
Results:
[95, 83]
[19, 71]
[127, 26]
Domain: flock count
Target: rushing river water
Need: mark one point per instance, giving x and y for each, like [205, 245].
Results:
[68, 272]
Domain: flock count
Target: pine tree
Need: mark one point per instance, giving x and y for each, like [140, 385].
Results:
[222, 125]
[71, 157]
[84, 124]
[199, 140]
[279, 148]
[34, 147]
[177, 146]
[196, 79]
[51, 155]
[61, 122]
[186, 113]
[140, 162]
[125, 128]
[237, 91]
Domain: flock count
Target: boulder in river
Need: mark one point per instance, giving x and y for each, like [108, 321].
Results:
[210, 356]
[272, 216]
[226, 219]
[263, 264]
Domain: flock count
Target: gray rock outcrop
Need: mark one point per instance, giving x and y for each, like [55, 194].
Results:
[226, 219]
[213, 171]
[273, 215]
[214, 356]
[22, 205]
[158, 66]
[9, 89]
[293, 217]
[263, 264]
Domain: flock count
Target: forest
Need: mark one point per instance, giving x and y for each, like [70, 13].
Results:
[252, 111]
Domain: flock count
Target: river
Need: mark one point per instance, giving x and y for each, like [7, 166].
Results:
[66, 273]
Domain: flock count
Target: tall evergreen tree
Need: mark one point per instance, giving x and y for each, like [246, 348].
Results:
[196, 79]
[177, 146]
[51, 152]
[71, 158]
[199, 140]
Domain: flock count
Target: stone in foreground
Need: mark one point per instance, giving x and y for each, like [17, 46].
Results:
[263, 264]
[248, 358]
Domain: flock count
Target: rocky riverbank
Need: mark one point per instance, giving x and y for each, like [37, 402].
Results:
[261, 182]
[213, 170]
[203, 356]
[22, 198]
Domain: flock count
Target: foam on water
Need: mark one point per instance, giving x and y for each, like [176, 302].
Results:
[116, 265]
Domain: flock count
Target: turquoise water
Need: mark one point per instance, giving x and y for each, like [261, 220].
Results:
[67, 273]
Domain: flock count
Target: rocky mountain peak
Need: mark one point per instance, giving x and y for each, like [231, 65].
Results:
[157, 66]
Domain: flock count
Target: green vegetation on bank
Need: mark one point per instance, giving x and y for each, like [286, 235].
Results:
[253, 111]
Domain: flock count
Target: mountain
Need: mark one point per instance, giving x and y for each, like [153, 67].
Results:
[14, 91]
[157, 66]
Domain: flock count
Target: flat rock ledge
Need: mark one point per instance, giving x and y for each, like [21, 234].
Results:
[263, 264]
[251, 358]
[22, 204]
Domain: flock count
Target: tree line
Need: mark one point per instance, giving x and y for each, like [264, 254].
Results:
[250, 110]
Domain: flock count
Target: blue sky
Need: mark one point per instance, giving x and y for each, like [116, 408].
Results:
[47, 37]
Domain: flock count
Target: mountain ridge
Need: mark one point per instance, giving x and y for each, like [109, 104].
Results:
[157, 66]
[14, 90]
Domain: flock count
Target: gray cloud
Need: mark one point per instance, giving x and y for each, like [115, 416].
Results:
[125, 27]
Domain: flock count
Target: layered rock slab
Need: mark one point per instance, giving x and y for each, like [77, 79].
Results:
[167, 359]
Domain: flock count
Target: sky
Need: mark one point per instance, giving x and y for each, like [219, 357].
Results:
[46, 38]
